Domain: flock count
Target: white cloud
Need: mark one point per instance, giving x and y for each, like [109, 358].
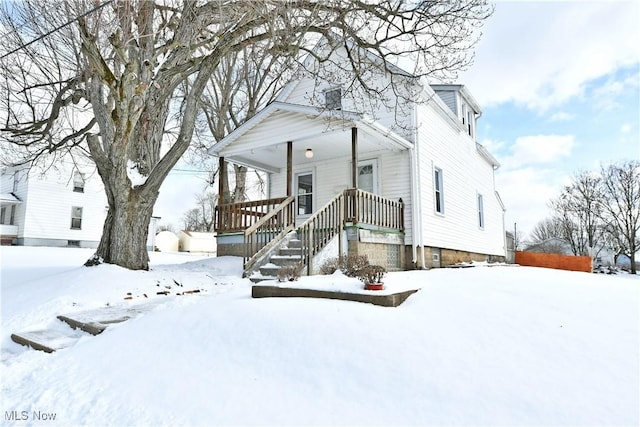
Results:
[539, 149]
[540, 54]
[526, 193]
[562, 116]
[625, 128]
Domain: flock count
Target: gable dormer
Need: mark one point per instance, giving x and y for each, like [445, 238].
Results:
[463, 105]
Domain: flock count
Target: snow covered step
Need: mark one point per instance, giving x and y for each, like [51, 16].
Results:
[284, 260]
[48, 340]
[291, 251]
[294, 243]
[260, 278]
[270, 270]
[96, 321]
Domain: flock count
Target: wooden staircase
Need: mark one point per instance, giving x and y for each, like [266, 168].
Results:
[290, 254]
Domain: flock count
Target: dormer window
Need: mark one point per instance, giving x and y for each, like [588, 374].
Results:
[333, 99]
[78, 182]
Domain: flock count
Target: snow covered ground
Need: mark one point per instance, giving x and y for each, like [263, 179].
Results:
[475, 346]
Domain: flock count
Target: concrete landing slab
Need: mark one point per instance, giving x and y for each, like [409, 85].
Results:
[48, 340]
[385, 300]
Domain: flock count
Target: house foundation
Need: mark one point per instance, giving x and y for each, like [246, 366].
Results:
[442, 257]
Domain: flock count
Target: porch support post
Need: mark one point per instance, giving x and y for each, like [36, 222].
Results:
[289, 167]
[354, 157]
[222, 180]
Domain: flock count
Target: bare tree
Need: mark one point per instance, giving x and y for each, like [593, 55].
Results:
[621, 191]
[201, 217]
[242, 84]
[578, 214]
[123, 81]
[545, 230]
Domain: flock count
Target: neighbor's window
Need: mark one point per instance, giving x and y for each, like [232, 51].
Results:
[76, 218]
[78, 182]
[333, 99]
[3, 212]
[438, 189]
[480, 211]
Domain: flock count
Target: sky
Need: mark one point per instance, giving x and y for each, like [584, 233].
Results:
[559, 85]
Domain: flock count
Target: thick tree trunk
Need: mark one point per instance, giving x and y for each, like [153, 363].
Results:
[125, 231]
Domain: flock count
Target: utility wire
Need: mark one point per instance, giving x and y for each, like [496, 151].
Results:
[47, 34]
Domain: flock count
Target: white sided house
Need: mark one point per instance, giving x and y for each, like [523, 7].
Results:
[62, 206]
[410, 186]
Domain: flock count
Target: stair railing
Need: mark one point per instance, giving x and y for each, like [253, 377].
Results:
[320, 228]
[268, 231]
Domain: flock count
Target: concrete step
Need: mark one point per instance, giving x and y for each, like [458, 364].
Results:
[269, 270]
[285, 260]
[294, 243]
[47, 340]
[97, 320]
[260, 278]
[291, 251]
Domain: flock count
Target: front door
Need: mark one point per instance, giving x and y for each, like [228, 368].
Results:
[368, 176]
[304, 194]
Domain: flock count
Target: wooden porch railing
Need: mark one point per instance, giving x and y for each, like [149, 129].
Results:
[371, 209]
[320, 228]
[268, 231]
[352, 206]
[237, 217]
[265, 223]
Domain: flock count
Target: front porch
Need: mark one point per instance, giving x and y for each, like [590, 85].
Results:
[342, 177]
[353, 222]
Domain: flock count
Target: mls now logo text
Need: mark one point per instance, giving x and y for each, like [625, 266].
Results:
[26, 416]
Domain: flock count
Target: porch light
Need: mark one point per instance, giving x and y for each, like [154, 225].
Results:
[309, 153]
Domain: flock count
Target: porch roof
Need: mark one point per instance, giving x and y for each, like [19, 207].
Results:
[9, 199]
[261, 142]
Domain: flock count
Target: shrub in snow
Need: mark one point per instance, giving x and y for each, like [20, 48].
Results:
[350, 265]
[372, 274]
[289, 273]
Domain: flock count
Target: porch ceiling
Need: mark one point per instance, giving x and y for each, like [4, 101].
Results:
[262, 143]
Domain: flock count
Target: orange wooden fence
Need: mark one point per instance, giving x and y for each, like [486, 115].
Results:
[560, 262]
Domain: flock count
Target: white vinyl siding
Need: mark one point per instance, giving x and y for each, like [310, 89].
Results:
[466, 173]
[45, 211]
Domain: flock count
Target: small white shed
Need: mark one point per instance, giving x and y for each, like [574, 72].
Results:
[196, 241]
[166, 241]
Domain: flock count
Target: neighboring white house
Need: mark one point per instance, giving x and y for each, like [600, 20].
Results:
[62, 206]
[195, 241]
[421, 161]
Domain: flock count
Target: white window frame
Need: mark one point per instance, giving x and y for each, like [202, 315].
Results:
[313, 191]
[374, 167]
[438, 191]
[480, 210]
[73, 212]
[78, 182]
